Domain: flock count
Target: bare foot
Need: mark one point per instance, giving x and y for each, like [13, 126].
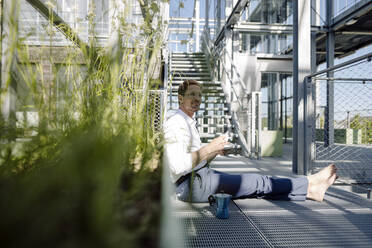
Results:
[320, 182]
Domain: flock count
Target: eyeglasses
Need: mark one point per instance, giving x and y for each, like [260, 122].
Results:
[194, 95]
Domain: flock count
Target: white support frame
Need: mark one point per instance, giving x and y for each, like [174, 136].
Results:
[254, 124]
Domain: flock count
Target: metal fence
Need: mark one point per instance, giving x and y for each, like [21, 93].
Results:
[342, 120]
[156, 109]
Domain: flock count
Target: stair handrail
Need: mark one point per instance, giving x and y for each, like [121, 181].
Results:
[208, 42]
[209, 46]
[166, 71]
[236, 71]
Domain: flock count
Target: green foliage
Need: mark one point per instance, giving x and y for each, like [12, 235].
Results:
[88, 174]
[364, 124]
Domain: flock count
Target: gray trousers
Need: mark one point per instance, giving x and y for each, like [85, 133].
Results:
[199, 185]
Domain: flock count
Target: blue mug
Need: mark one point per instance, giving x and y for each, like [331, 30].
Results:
[220, 202]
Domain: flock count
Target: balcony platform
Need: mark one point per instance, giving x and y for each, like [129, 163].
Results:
[343, 219]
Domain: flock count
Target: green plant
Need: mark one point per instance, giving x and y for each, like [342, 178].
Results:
[364, 124]
[88, 173]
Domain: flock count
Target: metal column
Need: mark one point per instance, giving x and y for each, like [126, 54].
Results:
[206, 23]
[218, 25]
[330, 55]
[301, 68]
[9, 32]
[197, 24]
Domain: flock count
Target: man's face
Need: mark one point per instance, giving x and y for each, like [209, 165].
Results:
[190, 102]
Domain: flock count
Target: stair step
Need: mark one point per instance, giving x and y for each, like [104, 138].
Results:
[209, 93]
[219, 101]
[179, 78]
[210, 135]
[191, 62]
[179, 75]
[214, 125]
[213, 94]
[203, 82]
[213, 116]
[215, 109]
[189, 70]
[192, 73]
[188, 55]
[188, 65]
[202, 68]
[206, 88]
[183, 77]
[178, 58]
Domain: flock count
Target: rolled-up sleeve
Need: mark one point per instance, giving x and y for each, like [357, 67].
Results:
[176, 149]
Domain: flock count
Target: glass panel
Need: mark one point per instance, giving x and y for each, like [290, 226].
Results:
[270, 101]
[101, 18]
[255, 44]
[265, 43]
[254, 11]
[182, 8]
[82, 9]
[270, 11]
[286, 82]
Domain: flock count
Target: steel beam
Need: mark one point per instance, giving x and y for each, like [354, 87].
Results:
[58, 22]
[232, 19]
[197, 23]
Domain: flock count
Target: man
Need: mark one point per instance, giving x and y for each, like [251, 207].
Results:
[195, 181]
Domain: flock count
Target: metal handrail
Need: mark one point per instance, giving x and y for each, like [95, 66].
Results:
[232, 85]
[234, 119]
[236, 70]
[207, 42]
[367, 56]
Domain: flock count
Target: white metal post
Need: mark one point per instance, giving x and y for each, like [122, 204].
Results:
[9, 32]
[197, 23]
[206, 23]
[330, 54]
[301, 68]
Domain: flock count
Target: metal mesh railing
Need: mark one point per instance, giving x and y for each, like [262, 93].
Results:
[342, 133]
[156, 109]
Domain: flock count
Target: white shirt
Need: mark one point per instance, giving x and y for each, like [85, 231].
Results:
[182, 138]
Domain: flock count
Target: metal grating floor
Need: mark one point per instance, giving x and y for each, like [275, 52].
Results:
[332, 228]
[342, 220]
[205, 230]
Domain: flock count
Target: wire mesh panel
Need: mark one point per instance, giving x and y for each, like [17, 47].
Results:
[343, 121]
[156, 109]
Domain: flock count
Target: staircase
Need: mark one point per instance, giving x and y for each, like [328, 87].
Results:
[213, 117]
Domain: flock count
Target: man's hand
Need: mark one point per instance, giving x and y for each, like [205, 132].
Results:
[210, 151]
[216, 146]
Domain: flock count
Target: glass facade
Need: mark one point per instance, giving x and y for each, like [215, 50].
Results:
[269, 43]
[342, 5]
[37, 30]
[269, 12]
[276, 89]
